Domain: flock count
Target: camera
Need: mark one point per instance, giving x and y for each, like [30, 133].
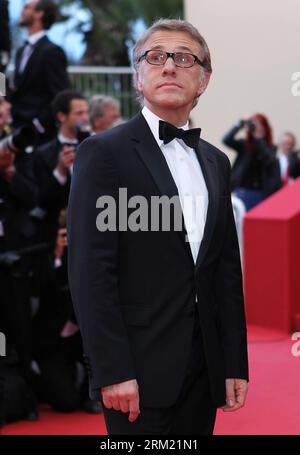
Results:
[83, 131]
[19, 140]
[250, 125]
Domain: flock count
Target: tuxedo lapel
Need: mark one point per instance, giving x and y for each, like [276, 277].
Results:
[209, 171]
[156, 164]
[150, 153]
[32, 61]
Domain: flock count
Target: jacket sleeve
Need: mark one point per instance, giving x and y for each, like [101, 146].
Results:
[230, 140]
[295, 165]
[93, 267]
[230, 300]
[57, 76]
[56, 80]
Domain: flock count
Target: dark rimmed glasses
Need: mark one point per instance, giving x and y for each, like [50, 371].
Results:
[181, 59]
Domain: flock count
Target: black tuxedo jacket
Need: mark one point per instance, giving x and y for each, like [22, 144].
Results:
[134, 292]
[44, 76]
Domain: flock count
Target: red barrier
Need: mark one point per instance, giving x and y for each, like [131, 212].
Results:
[272, 261]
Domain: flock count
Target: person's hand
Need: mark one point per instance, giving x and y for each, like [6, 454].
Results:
[123, 397]
[65, 159]
[236, 391]
[243, 122]
[61, 242]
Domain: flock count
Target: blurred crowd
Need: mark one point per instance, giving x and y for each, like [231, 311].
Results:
[42, 122]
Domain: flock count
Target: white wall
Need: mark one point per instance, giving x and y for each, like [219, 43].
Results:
[255, 48]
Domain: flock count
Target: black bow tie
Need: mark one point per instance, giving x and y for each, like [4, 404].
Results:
[168, 132]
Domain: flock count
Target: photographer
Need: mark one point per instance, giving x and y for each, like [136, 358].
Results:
[255, 172]
[18, 195]
[58, 345]
[53, 161]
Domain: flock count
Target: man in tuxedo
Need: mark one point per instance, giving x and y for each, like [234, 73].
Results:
[160, 308]
[40, 71]
[288, 158]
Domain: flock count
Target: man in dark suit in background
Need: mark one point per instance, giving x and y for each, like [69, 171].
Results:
[53, 160]
[40, 71]
[288, 157]
[160, 308]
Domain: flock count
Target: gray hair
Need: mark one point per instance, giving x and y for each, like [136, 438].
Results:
[99, 103]
[175, 25]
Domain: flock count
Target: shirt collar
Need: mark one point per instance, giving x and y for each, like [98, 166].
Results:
[65, 140]
[35, 37]
[153, 123]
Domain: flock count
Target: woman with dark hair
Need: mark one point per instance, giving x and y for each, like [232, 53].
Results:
[255, 173]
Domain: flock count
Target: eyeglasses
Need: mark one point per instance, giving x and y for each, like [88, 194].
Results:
[181, 59]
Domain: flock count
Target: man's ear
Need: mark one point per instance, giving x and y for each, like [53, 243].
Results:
[61, 117]
[39, 15]
[138, 82]
[203, 83]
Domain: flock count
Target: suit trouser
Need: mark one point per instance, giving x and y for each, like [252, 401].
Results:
[192, 413]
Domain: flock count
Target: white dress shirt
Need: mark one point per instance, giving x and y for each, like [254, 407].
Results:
[188, 177]
[284, 167]
[28, 49]
[284, 164]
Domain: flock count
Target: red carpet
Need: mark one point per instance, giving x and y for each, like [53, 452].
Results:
[272, 407]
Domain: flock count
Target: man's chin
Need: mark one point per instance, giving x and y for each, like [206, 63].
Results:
[23, 23]
[171, 103]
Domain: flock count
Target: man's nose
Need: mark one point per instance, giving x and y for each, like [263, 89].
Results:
[169, 66]
[85, 117]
